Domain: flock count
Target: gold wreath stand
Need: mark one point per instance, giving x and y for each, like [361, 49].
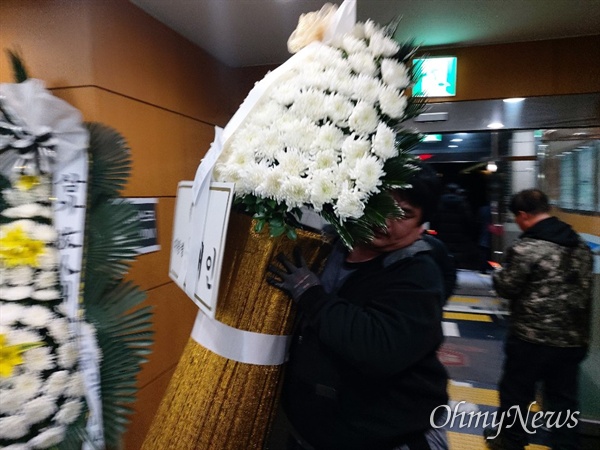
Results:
[213, 402]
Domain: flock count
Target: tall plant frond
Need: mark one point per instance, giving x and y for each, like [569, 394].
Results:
[123, 326]
[18, 66]
[113, 238]
[111, 162]
[124, 332]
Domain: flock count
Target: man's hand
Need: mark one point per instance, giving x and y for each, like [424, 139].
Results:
[296, 279]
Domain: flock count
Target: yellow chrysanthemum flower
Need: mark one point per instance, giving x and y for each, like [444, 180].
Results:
[12, 355]
[17, 248]
[27, 182]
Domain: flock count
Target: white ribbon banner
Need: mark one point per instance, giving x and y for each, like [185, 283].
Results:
[238, 345]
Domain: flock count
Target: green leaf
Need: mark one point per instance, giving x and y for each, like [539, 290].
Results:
[111, 162]
[18, 66]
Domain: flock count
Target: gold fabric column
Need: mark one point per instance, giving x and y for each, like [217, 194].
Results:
[216, 403]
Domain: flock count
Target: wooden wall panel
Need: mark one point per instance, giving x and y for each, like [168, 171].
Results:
[166, 147]
[148, 401]
[42, 31]
[136, 55]
[525, 69]
[174, 315]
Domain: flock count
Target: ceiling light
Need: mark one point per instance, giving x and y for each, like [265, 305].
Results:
[452, 146]
[456, 140]
[495, 125]
[513, 100]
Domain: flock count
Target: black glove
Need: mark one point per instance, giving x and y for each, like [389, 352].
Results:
[296, 279]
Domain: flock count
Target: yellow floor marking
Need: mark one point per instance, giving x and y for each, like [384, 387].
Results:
[479, 396]
[467, 316]
[462, 441]
[456, 298]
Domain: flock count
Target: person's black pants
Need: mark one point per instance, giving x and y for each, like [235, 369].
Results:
[557, 368]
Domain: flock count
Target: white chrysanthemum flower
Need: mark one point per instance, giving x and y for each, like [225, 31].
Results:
[248, 139]
[324, 159]
[10, 401]
[39, 409]
[292, 162]
[48, 438]
[370, 27]
[362, 63]
[11, 313]
[20, 275]
[13, 427]
[67, 355]
[45, 295]
[57, 383]
[283, 94]
[42, 192]
[338, 108]
[342, 84]
[395, 74]
[349, 204]
[76, 385]
[45, 279]
[295, 190]
[24, 336]
[364, 118]
[382, 45]
[383, 144]
[59, 330]
[309, 103]
[28, 210]
[26, 386]
[48, 260]
[269, 187]
[293, 131]
[267, 113]
[366, 88]
[39, 359]
[392, 102]
[355, 147]
[367, 174]
[323, 189]
[44, 232]
[329, 137]
[69, 412]
[351, 44]
[37, 316]
[358, 31]
[15, 293]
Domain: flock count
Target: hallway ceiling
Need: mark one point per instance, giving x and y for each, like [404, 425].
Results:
[254, 32]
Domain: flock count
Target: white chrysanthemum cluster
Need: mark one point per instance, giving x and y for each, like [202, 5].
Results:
[28, 257]
[44, 394]
[321, 134]
[41, 388]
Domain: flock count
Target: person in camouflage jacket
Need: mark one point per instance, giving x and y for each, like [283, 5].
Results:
[547, 277]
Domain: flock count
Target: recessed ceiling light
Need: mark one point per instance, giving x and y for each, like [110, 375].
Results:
[495, 125]
[456, 140]
[513, 100]
[452, 146]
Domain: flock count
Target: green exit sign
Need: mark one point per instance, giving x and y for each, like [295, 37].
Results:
[438, 77]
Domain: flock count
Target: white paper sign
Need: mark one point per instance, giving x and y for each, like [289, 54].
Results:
[204, 271]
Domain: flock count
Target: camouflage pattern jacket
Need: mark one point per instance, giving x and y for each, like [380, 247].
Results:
[547, 276]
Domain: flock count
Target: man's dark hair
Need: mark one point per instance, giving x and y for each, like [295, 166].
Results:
[532, 201]
[424, 192]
